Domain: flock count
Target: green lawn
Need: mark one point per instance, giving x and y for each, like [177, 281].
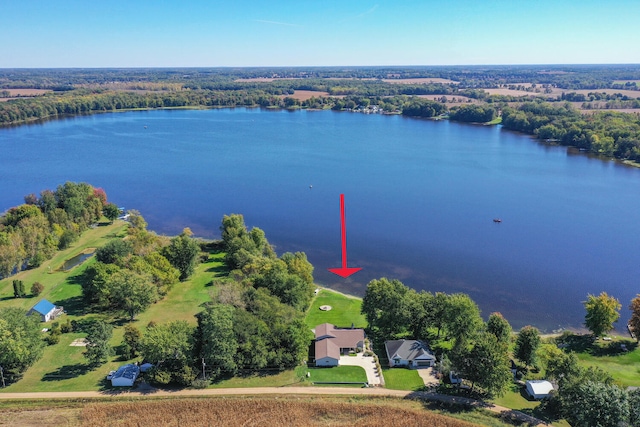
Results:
[292, 377]
[624, 367]
[63, 367]
[515, 398]
[338, 374]
[402, 379]
[345, 310]
[54, 281]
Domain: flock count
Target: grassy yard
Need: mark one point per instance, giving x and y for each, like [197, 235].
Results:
[515, 399]
[623, 367]
[292, 377]
[402, 379]
[63, 367]
[345, 310]
[338, 374]
[53, 279]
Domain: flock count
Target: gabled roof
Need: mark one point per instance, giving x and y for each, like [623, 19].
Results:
[326, 348]
[43, 307]
[329, 340]
[343, 338]
[408, 350]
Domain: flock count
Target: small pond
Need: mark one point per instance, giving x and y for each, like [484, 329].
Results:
[77, 260]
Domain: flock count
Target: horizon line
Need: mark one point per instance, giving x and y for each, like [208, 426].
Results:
[314, 66]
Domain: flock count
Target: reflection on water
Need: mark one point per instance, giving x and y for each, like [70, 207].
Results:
[420, 196]
[76, 260]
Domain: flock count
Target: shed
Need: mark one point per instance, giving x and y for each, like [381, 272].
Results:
[125, 376]
[46, 310]
[539, 389]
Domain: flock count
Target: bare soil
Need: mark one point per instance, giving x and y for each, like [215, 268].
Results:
[421, 80]
[27, 92]
[303, 95]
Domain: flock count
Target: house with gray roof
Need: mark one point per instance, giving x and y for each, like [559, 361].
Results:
[331, 342]
[46, 310]
[409, 354]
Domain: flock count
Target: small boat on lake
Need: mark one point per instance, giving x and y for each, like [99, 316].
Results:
[497, 220]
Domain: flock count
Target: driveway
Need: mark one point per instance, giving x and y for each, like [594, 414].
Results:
[428, 375]
[367, 363]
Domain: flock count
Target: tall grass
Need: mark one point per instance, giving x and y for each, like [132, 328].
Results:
[247, 412]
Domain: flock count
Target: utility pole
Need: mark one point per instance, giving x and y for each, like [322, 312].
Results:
[204, 376]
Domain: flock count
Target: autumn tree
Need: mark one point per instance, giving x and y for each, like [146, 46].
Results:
[37, 288]
[634, 322]
[602, 312]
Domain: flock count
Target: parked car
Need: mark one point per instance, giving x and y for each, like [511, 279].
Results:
[110, 375]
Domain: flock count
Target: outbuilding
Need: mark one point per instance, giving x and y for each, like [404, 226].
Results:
[46, 310]
[125, 376]
[539, 389]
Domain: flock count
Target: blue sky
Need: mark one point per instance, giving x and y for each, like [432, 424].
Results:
[199, 33]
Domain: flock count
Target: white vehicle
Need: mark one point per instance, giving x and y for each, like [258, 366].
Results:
[110, 375]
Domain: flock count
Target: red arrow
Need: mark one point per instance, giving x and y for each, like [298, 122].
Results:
[344, 271]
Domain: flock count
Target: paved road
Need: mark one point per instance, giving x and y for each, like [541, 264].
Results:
[374, 391]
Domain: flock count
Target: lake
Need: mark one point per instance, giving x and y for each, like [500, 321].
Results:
[420, 197]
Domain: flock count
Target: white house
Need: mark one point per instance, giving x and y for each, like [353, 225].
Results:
[46, 310]
[409, 354]
[331, 342]
[125, 376]
[539, 389]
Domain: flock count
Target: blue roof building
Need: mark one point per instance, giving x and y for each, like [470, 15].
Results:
[46, 310]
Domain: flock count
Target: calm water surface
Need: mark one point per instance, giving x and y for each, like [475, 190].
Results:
[420, 197]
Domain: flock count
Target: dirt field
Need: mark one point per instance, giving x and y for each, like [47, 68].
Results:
[303, 95]
[459, 99]
[27, 92]
[556, 91]
[424, 80]
[512, 92]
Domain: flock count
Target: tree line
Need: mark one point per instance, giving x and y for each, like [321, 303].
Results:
[254, 321]
[481, 352]
[607, 133]
[32, 232]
